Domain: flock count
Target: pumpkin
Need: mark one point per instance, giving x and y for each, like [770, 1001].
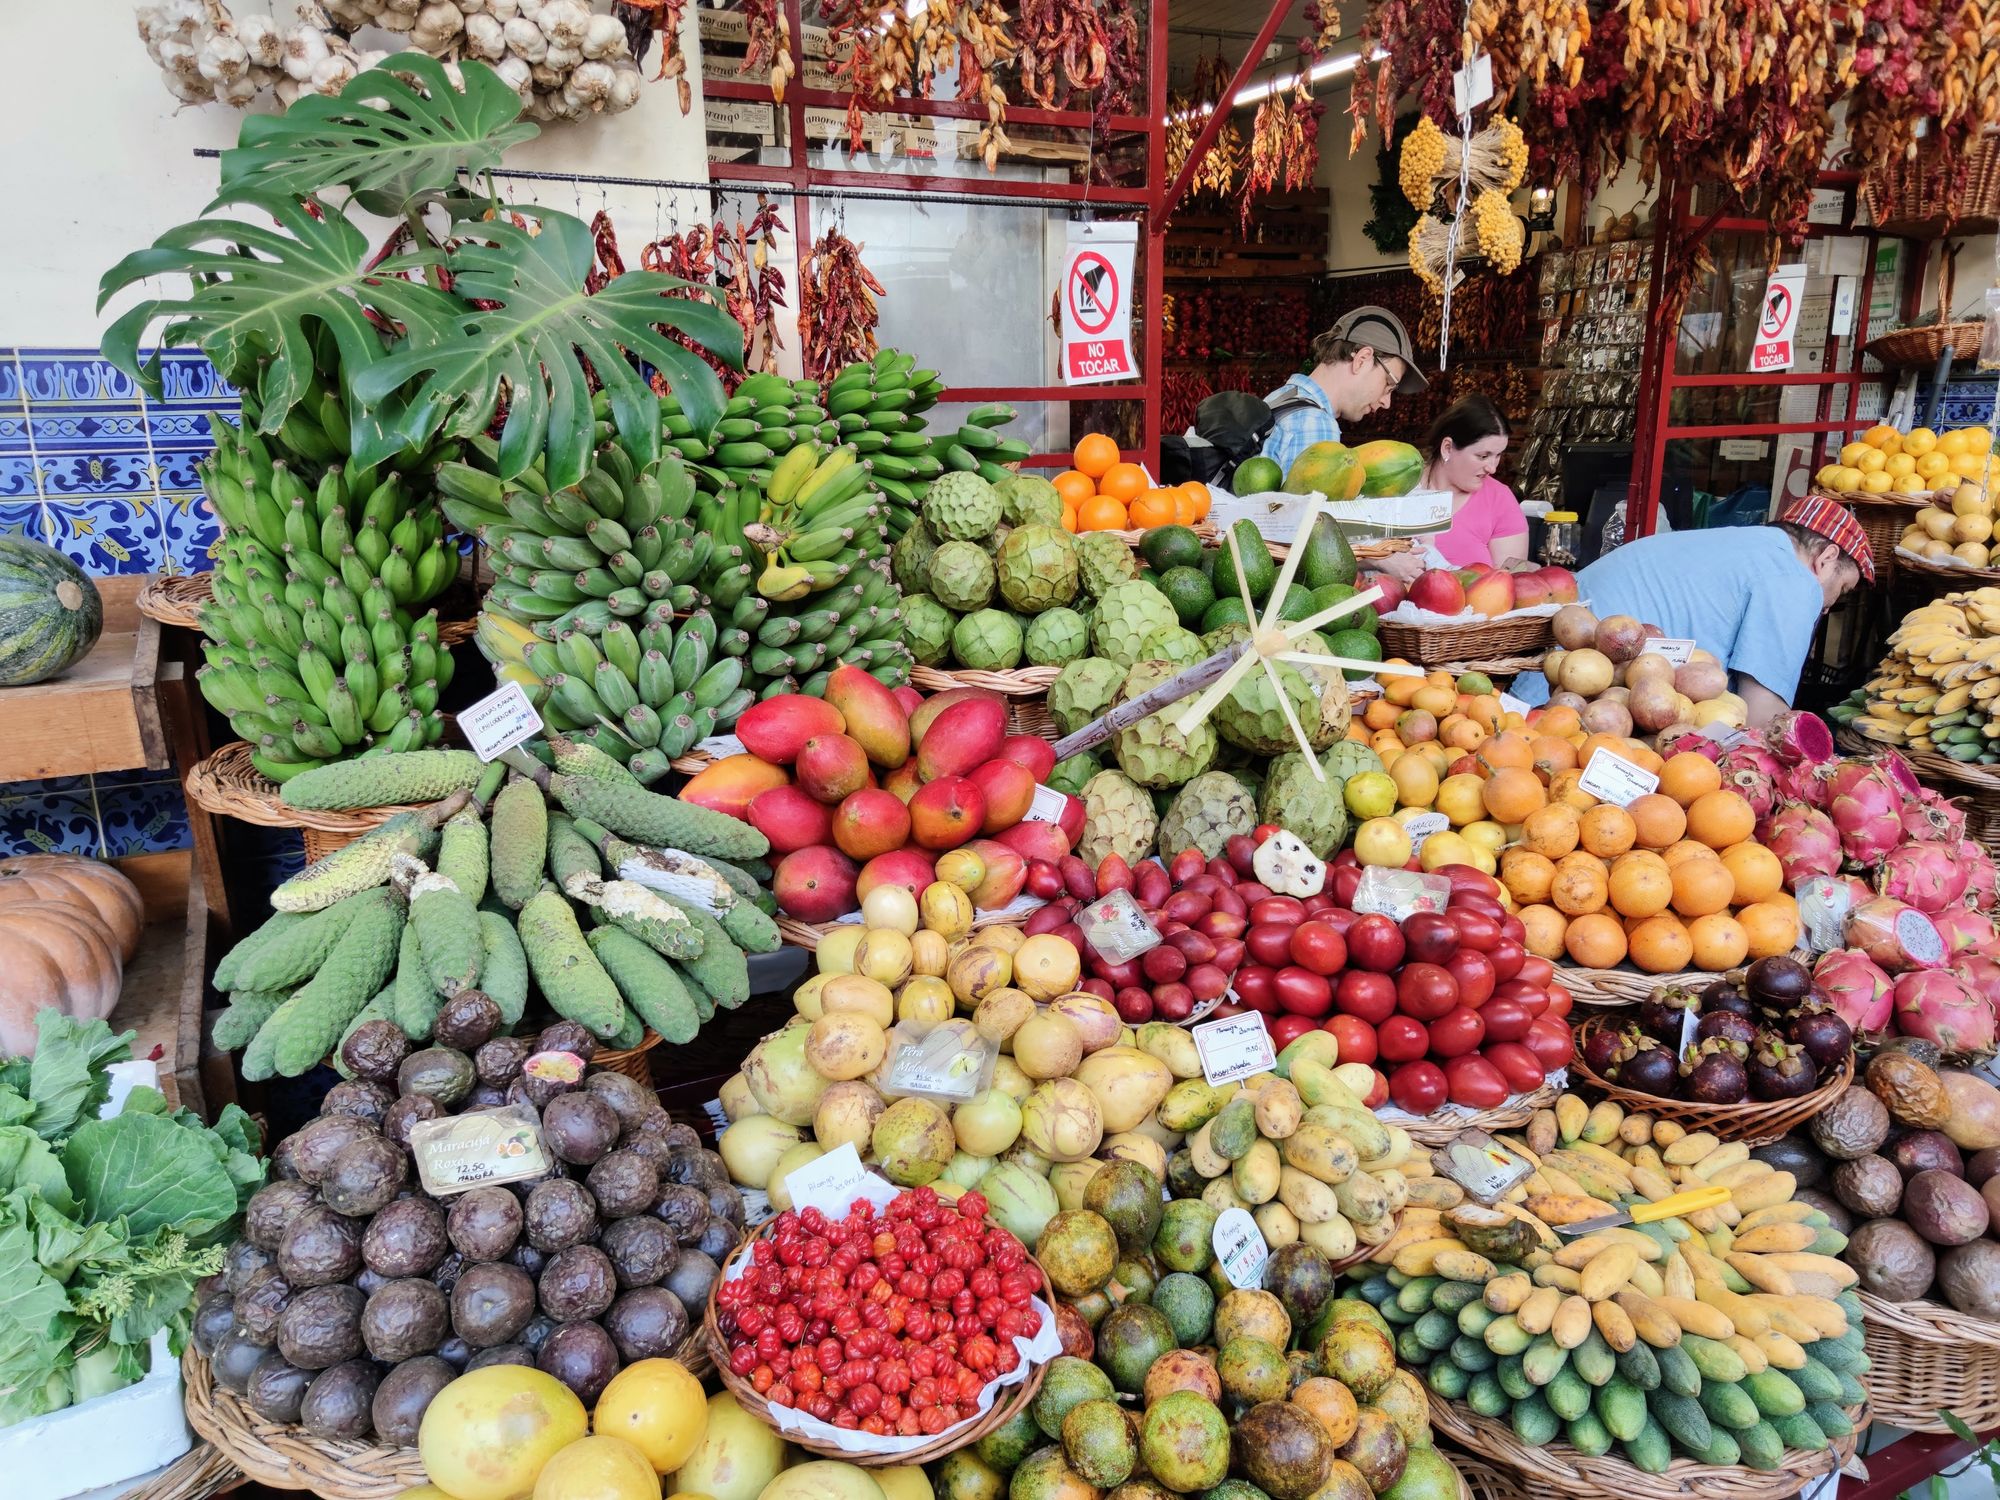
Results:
[90, 885]
[52, 955]
[50, 612]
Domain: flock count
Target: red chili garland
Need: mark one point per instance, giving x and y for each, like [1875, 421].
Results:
[837, 311]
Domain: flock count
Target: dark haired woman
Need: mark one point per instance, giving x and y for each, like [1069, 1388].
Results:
[1465, 446]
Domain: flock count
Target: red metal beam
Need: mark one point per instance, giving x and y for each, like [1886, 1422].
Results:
[1153, 271]
[947, 109]
[1212, 127]
[1906, 1463]
[1056, 194]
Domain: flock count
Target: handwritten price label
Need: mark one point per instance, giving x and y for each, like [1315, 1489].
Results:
[500, 721]
[1612, 778]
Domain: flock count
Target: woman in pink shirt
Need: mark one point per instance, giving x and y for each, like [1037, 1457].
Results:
[1465, 445]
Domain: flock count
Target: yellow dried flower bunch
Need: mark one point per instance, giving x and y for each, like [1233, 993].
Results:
[1498, 229]
[1421, 163]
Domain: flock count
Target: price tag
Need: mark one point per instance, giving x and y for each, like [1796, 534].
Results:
[1823, 906]
[1240, 1249]
[1423, 825]
[1725, 735]
[1047, 807]
[721, 746]
[1398, 893]
[1612, 778]
[829, 1183]
[1117, 929]
[500, 721]
[1690, 1023]
[462, 1152]
[1674, 650]
[1472, 85]
[1480, 1165]
[1233, 1048]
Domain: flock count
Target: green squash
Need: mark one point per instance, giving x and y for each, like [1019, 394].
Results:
[50, 614]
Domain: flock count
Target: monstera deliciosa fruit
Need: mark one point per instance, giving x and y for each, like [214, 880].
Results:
[434, 338]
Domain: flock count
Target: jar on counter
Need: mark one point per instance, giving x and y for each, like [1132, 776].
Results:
[1559, 539]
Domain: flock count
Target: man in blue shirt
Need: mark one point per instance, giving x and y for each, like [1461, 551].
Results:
[1358, 365]
[1752, 595]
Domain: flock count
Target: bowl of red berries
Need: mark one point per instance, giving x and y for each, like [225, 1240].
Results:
[896, 1333]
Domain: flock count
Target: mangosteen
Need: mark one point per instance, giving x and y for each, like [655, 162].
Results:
[1601, 1046]
[1721, 995]
[1779, 1070]
[1728, 1026]
[1777, 983]
[1660, 1013]
[1817, 1030]
[1714, 1074]
[1645, 1069]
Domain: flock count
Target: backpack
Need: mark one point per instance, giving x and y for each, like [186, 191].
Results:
[1229, 427]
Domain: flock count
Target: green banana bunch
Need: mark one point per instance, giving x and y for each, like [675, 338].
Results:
[765, 419]
[856, 621]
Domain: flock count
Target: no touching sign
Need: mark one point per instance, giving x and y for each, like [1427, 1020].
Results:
[1097, 303]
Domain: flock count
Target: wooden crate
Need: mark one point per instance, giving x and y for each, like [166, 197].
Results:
[103, 714]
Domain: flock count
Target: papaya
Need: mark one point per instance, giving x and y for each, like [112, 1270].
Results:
[1330, 468]
[1392, 468]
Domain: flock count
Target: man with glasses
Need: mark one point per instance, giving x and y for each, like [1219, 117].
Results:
[1359, 364]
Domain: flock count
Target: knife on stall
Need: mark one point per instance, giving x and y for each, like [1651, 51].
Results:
[1692, 1201]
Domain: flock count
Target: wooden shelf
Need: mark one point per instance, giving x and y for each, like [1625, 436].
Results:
[103, 714]
[163, 991]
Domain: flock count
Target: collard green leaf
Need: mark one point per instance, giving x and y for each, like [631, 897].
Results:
[66, 1080]
[388, 136]
[150, 1172]
[27, 1162]
[534, 343]
[35, 1329]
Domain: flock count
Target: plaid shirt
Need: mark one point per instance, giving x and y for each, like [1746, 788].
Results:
[1302, 426]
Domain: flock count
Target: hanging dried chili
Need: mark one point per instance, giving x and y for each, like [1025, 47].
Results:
[643, 19]
[770, 46]
[837, 311]
[753, 287]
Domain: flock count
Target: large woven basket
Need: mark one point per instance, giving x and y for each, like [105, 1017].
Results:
[1753, 1123]
[227, 782]
[1558, 1469]
[1017, 682]
[177, 600]
[1446, 1121]
[1605, 989]
[1926, 1358]
[1013, 1400]
[1924, 191]
[1956, 575]
[202, 1471]
[1473, 640]
[1920, 347]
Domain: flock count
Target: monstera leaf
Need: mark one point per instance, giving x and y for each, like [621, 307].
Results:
[388, 136]
[535, 340]
[256, 291]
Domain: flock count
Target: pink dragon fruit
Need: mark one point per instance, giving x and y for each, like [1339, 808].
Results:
[1866, 807]
[1860, 991]
[1980, 974]
[1925, 876]
[1967, 931]
[1897, 937]
[1800, 738]
[1940, 1007]
[1698, 744]
[1933, 817]
[1807, 783]
[1753, 771]
[1900, 773]
[1805, 841]
[1982, 880]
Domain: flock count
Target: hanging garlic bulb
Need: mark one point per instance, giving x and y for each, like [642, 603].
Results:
[604, 37]
[485, 37]
[525, 40]
[518, 75]
[222, 58]
[259, 36]
[439, 26]
[305, 49]
[565, 22]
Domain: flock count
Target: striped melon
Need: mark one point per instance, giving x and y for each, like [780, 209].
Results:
[50, 615]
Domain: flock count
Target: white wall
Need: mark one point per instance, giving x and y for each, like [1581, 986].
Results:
[100, 161]
[1347, 181]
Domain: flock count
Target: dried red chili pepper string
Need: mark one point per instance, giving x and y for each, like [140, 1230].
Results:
[837, 309]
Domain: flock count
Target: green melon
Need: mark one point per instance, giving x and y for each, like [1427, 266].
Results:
[50, 614]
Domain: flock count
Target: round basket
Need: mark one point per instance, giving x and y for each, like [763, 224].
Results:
[1474, 640]
[1482, 1480]
[1753, 1124]
[228, 783]
[1925, 1358]
[202, 1471]
[1442, 1124]
[1882, 519]
[1624, 985]
[1558, 1469]
[1019, 682]
[1958, 574]
[1500, 666]
[1901, 348]
[1925, 192]
[633, 1061]
[1009, 1403]
[178, 601]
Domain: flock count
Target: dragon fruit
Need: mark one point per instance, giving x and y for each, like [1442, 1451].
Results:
[1897, 937]
[1807, 783]
[1979, 974]
[1902, 776]
[1933, 817]
[1982, 880]
[1925, 876]
[1753, 771]
[1940, 1007]
[1805, 841]
[1859, 990]
[1967, 931]
[1866, 807]
[1699, 744]
[1800, 738]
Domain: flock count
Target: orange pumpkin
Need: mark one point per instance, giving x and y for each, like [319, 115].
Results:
[87, 884]
[53, 955]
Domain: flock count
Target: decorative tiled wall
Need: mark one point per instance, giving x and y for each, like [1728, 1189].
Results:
[94, 467]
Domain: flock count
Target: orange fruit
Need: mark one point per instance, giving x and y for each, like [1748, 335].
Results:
[1552, 754]
[1685, 849]
[1507, 749]
[1095, 454]
[1551, 831]
[1701, 886]
[1771, 927]
[1756, 871]
[1122, 482]
[1660, 945]
[1562, 721]
[1719, 942]
[1687, 776]
[1595, 940]
[1721, 818]
[1527, 875]
[1199, 499]
[1100, 513]
[1658, 818]
[1514, 794]
[1545, 930]
[1580, 885]
[1639, 887]
[1069, 517]
[1186, 510]
[1152, 508]
[1607, 830]
[1563, 788]
[1074, 488]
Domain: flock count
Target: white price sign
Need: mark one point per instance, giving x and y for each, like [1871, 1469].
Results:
[1047, 807]
[1612, 778]
[829, 1183]
[1423, 825]
[1239, 1248]
[1673, 649]
[500, 721]
[1234, 1048]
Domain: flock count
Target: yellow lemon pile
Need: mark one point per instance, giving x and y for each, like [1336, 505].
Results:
[1886, 461]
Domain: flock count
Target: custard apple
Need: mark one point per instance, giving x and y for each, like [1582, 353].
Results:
[962, 576]
[911, 559]
[1056, 637]
[1070, 775]
[1101, 561]
[927, 627]
[1117, 819]
[1176, 644]
[1250, 716]
[960, 506]
[1350, 758]
[1329, 684]
[1310, 807]
[1153, 752]
[1029, 500]
[988, 640]
[990, 543]
[1083, 690]
[1037, 568]
[1208, 812]
[1127, 614]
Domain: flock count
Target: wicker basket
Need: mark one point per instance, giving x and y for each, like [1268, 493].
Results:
[178, 601]
[1919, 193]
[1919, 348]
[1754, 1124]
[1624, 985]
[228, 783]
[633, 1061]
[1006, 1406]
[1558, 1469]
[1442, 1124]
[1955, 574]
[202, 1471]
[1882, 519]
[1474, 640]
[1020, 682]
[1926, 1358]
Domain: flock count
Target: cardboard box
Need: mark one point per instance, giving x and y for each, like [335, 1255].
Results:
[1277, 514]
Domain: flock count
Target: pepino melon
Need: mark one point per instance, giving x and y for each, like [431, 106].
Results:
[1329, 468]
[50, 614]
[1392, 468]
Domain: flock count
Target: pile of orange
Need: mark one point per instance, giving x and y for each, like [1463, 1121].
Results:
[1103, 493]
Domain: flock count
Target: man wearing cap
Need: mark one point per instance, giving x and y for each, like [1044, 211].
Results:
[1358, 365]
[1752, 595]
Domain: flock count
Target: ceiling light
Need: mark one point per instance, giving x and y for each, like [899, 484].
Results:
[1321, 72]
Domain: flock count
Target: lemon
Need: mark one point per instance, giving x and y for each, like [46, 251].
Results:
[1828, 476]
[1871, 460]
[1919, 441]
[1875, 483]
[1951, 443]
[1937, 523]
[1971, 465]
[1850, 455]
[1900, 466]
[1882, 436]
[1936, 465]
